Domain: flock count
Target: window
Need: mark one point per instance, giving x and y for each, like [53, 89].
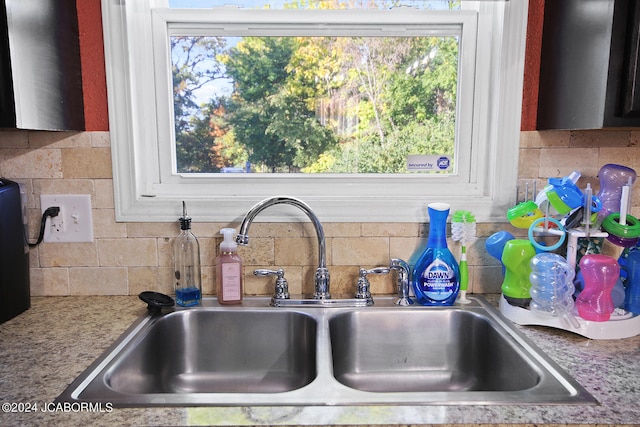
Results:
[152, 168]
[315, 104]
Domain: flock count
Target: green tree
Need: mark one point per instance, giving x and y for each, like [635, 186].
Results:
[269, 112]
[316, 104]
[193, 153]
[194, 66]
[405, 90]
[428, 87]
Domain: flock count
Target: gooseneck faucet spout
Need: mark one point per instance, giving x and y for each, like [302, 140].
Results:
[322, 273]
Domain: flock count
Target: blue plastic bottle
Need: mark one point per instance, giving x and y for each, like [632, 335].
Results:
[436, 276]
[632, 284]
[551, 285]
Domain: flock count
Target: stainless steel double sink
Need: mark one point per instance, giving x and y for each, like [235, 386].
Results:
[254, 354]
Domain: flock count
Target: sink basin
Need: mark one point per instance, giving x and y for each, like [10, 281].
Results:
[219, 352]
[253, 354]
[416, 351]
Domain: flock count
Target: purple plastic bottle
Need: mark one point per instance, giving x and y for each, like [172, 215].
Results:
[612, 178]
[600, 274]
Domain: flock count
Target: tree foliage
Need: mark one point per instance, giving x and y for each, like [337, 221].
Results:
[270, 111]
[193, 67]
[316, 104]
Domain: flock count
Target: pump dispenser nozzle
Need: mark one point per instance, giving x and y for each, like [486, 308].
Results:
[185, 220]
[228, 244]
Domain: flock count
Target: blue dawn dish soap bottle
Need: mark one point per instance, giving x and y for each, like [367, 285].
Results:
[436, 275]
[186, 259]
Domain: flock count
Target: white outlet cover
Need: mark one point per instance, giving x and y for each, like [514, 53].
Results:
[75, 213]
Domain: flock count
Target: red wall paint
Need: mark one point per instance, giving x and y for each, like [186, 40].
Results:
[94, 84]
[532, 66]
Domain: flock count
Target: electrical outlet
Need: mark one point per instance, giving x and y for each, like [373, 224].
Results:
[74, 223]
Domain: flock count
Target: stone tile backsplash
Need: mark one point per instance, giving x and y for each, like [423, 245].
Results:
[127, 258]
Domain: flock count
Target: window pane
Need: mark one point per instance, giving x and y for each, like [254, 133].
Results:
[318, 4]
[489, 79]
[315, 104]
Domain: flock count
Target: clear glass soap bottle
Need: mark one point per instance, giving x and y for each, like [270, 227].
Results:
[186, 259]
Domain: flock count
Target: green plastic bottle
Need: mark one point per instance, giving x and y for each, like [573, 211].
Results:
[516, 258]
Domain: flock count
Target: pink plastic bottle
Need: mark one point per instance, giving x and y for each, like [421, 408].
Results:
[600, 274]
[229, 270]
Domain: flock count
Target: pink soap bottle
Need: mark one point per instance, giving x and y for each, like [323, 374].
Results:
[229, 270]
[600, 274]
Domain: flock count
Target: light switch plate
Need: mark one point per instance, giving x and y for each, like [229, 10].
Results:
[74, 223]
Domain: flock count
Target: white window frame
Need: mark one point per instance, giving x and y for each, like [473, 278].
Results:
[141, 107]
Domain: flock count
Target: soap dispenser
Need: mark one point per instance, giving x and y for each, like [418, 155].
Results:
[436, 275]
[229, 270]
[186, 258]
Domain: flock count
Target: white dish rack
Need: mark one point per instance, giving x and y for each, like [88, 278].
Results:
[622, 324]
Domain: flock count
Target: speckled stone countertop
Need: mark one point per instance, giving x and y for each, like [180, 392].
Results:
[46, 348]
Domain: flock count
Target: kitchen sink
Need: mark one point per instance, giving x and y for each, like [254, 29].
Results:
[418, 351]
[198, 351]
[254, 355]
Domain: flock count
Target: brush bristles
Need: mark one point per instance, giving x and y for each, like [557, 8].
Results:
[463, 231]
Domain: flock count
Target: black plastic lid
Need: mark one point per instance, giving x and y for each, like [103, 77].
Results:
[156, 301]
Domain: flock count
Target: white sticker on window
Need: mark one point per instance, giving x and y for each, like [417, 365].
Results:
[435, 162]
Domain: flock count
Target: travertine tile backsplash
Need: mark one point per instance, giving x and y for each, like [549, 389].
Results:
[127, 258]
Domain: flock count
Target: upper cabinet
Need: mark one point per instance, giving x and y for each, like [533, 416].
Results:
[589, 66]
[40, 72]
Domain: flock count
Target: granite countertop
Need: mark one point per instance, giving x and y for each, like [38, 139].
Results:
[46, 348]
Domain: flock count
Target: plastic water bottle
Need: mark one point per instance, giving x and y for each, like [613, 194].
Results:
[600, 274]
[495, 245]
[617, 293]
[612, 178]
[516, 257]
[551, 285]
[632, 282]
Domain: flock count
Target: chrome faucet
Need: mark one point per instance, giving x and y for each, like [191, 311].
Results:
[402, 269]
[364, 287]
[322, 273]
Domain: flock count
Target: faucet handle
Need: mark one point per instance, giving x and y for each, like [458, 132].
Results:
[402, 269]
[364, 287]
[377, 270]
[282, 287]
